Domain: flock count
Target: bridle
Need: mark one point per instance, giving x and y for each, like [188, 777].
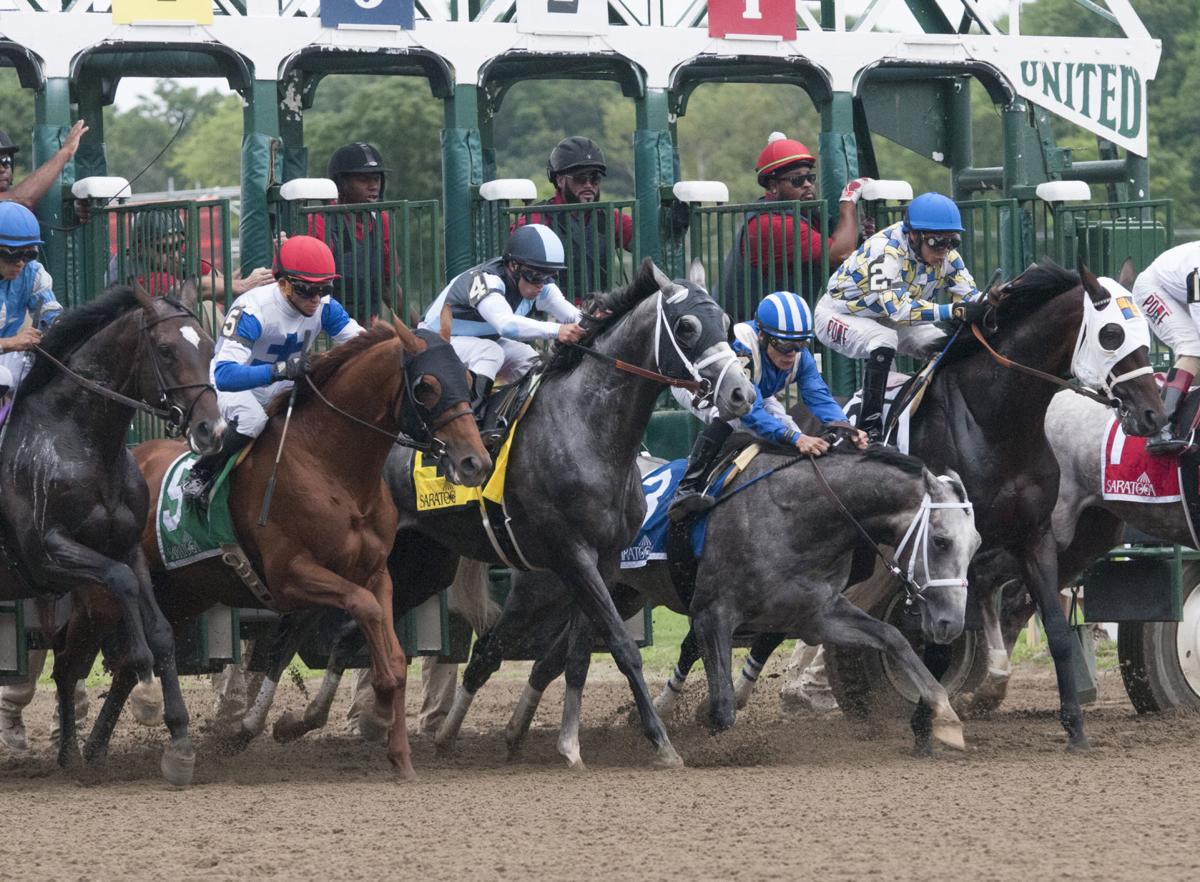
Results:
[177, 418]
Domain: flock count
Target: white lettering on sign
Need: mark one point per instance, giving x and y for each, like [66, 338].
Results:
[752, 10]
[1109, 94]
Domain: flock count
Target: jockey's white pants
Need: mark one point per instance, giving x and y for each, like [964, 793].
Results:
[13, 368]
[1175, 322]
[249, 406]
[504, 360]
[857, 336]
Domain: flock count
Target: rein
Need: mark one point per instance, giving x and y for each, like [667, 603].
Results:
[693, 386]
[1004, 361]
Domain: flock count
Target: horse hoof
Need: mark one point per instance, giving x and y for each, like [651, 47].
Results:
[668, 758]
[95, 755]
[288, 727]
[146, 704]
[373, 729]
[575, 764]
[923, 749]
[950, 734]
[403, 768]
[1079, 746]
[178, 765]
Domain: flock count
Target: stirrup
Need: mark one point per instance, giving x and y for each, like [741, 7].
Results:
[690, 504]
[1171, 446]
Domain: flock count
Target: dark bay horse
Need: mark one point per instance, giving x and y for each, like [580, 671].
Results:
[776, 558]
[573, 497]
[332, 520]
[72, 500]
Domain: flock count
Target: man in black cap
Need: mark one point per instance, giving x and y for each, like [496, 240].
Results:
[30, 191]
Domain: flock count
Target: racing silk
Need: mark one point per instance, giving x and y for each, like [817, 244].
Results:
[885, 279]
[767, 418]
[584, 235]
[262, 328]
[766, 242]
[31, 293]
[1175, 273]
[485, 304]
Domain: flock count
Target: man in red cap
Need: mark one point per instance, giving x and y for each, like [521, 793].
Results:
[763, 259]
[260, 352]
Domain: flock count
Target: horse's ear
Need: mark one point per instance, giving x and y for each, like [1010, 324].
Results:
[696, 274]
[1093, 287]
[1127, 275]
[445, 321]
[410, 341]
[661, 281]
[189, 293]
[144, 297]
[414, 317]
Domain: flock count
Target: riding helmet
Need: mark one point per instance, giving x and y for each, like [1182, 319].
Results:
[7, 145]
[306, 259]
[357, 158]
[535, 245]
[785, 316]
[18, 226]
[932, 211]
[575, 152]
[781, 153]
[156, 225]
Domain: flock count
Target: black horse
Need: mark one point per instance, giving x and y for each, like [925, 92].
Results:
[72, 500]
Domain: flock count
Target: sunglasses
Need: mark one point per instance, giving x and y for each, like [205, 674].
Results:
[311, 292]
[533, 277]
[786, 347]
[25, 254]
[800, 180]
[6, 161]
[592, 177]
[942, 243]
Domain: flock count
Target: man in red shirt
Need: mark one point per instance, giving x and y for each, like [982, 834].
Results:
[763, 259]
[576, 169]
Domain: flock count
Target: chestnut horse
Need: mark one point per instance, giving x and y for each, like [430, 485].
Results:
[332, 520]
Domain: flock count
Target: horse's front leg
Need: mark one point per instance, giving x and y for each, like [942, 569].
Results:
[545, 671]
[582, 636]
[689, 654]
[714, 634]
[74, 652]
[579, 573]
[346, 644]
[1040, 566]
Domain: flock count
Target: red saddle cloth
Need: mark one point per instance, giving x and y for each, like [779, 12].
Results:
[1129, 474]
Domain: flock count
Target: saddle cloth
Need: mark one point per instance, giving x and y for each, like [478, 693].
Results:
[1129, 474]
[186, 534]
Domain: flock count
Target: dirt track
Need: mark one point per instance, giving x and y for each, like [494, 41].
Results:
[779, 798]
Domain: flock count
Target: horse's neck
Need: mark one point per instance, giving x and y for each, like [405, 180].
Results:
[888, 501]
[369, 387]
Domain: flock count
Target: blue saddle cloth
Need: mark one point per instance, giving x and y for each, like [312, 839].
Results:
[659, 488]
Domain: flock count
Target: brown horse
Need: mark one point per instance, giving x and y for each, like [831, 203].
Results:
[332, 520]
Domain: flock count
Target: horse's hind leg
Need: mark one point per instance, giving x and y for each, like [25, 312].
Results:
[578, 660]
[714, 635]
[123, 682]
[292, 630]
[544, 672]
[291, 725]
[760, 653]
[844, 624]
[689, 654]
[75, 650]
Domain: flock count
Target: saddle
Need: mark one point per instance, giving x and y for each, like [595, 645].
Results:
[504, 405]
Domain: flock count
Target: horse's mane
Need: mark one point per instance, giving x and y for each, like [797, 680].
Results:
[1024, 295]
[618, 304]
[78, 325]
[885, 455]
[324, 366]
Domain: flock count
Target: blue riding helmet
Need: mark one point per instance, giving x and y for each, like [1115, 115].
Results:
[18, 226]
[785, 316]
[932, 211]
[536, 245]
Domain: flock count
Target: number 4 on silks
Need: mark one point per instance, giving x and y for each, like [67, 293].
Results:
[759, 18]
[382, 13]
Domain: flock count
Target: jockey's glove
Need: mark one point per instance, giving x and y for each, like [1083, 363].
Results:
[294, 367]
[970, 311]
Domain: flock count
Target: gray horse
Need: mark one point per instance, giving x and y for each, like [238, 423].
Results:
[573, 498]
[776, 558]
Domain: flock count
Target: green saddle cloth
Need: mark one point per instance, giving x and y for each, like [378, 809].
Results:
[185, 533]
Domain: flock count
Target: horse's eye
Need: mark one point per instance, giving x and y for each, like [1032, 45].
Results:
[166, 351]
[941, 543]
[687, 330]
[1111, 336]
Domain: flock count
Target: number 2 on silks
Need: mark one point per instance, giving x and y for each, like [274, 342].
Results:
[654, 488]
[877, 280]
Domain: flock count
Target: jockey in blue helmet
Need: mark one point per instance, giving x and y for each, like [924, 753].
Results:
[882, 299]
[773, 349]
[25, 289]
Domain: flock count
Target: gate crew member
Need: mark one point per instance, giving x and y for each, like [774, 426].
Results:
[491, 305]
[881, 300]
[773, 349]
[1168, 291]
[260, 351]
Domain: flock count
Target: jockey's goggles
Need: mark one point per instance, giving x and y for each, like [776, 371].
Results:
[942, 243]
[801, 180]
[311, 290]
[11, 255]
[786, 347]
[6, 161]
[536, 277]
[588, 177]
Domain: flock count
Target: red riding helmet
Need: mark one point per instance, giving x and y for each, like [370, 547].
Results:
[780, 153]
[306, 259]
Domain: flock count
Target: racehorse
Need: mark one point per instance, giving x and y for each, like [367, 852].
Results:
[792, 581]
[331, 520]
[573, 499]
[71, 498]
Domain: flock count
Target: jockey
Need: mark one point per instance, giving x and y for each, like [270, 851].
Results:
[490, 304]
[773, 348]
[1167, 292]
[260, 352]
[25, 289]
[881, 299]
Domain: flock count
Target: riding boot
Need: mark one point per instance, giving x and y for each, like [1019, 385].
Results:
[689, 496]
[206, 469]
[480, 392]
[1168, 441]
[875, 375]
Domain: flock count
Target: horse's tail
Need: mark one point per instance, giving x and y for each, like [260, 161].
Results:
[469, 595]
